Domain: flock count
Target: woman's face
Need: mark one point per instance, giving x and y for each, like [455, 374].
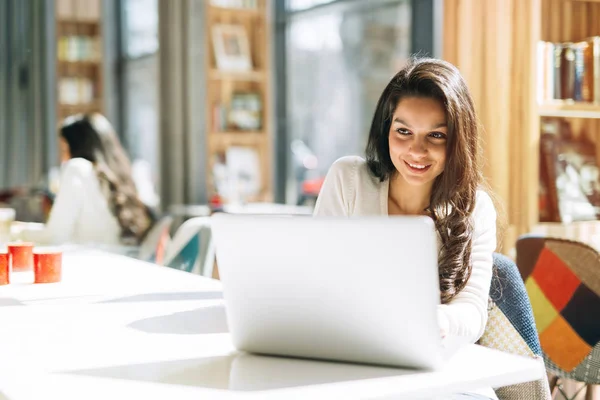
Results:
[65, 151]
[417, 140]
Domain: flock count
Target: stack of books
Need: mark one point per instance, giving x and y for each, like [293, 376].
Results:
[569, 71]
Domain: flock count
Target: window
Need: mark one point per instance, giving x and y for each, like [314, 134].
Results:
[139, 95]
[140, 44]
[339, 60]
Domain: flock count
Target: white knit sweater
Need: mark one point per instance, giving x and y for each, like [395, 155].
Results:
[80, 213]
[351, 190]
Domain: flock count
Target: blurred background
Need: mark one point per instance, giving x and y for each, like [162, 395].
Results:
[250, 100]
[246, 102]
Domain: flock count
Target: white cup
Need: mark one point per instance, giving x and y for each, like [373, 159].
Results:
[7, 217]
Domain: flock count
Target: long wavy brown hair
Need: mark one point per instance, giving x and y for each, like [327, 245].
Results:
[92, 137]
[454, 190]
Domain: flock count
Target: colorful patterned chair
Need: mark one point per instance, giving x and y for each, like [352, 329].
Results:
[511, 327]
[562, 278]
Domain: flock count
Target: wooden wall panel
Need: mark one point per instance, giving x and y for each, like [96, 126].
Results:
[494, 46]
[569, 21]
[525, 122]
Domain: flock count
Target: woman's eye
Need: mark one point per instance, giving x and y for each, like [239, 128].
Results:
[403, 131]
[437, 135]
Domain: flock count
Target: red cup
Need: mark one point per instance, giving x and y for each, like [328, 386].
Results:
[47, 266]
[4, 269]
[20, 256]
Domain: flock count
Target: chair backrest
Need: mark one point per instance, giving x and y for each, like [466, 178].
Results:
[562, 278]
[157, 240]
[511, 327]
[508, 294]
[192, 247]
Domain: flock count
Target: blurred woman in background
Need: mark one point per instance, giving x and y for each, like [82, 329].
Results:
[97, 202]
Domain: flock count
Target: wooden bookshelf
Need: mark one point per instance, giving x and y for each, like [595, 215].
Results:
[563, 22]
[494, 44]
[238, 96]
[584, 231]
[79, 69]
[570, 110]
[255, 76]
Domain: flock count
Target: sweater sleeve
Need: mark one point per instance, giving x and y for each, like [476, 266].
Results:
[466, 314]
[66, 207]
[335, 197]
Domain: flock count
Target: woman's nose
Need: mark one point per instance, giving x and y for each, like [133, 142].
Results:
[419, 147]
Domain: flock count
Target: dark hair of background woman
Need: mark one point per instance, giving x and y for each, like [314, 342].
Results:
[454, 190]
[93, 138]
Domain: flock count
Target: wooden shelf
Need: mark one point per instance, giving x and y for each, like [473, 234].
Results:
[254, 76]
[75, 64]
[583, 231]
[238, 12]
[74, 21]
[570, 109]
[83, 107]
[223, 85]
[79, 62]
[238, 138]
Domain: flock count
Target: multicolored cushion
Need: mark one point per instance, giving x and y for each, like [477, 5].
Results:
[509, 295]
[563, 282]
[511, 327]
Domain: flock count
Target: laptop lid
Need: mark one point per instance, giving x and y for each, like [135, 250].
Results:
[360, 289]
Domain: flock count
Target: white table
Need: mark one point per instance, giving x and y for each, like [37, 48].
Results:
[121, 328]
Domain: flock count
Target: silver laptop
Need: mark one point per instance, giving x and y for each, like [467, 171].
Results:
[362, 289]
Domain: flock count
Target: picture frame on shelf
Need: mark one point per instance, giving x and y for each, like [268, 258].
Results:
[231, 47]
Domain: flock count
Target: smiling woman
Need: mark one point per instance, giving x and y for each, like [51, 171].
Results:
[417, 142]
[422, 158]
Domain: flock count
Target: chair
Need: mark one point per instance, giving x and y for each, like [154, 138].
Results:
[192, 247]
[154, 245]
[511, 327]
[562, 278]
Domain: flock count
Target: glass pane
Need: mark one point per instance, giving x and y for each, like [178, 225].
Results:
[297, 5]
[338, 64]
[141, 127]
[141, 27]
[141, 93]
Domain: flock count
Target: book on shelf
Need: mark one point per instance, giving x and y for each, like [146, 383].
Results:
[75, 90]
[569, 175]
[548, 193]
[569, 71]
[219, 117]
[78, 48]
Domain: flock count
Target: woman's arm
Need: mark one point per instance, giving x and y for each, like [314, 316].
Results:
[334, 197]
[66, 207]
[466, 314]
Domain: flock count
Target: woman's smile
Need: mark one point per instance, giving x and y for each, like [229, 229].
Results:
[417, 168]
